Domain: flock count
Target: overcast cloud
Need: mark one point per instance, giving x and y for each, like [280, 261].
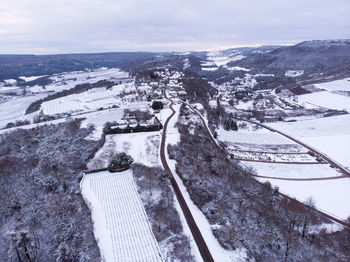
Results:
[71, 26]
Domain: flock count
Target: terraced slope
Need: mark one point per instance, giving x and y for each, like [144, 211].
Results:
[121, 225]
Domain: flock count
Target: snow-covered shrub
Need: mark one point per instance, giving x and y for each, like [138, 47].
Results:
[120, 162]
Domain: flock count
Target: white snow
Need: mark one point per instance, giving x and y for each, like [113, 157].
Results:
[186, 64]
[325, 99]
[121, 226]
[68, 80]
[30, 78]
[209, 68]
[14, 109]
[218, 58]
[218, 253]
[245, 105]
[299, 171]
[329, 135]
[294, 73]
[87, 101]
[10, 81]
[261, 136]
[99, 118]
[264, 75]
[338, 85]
[331, 196]
[143, 147]
[237, 68]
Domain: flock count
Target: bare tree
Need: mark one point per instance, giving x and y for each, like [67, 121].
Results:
[26, 246]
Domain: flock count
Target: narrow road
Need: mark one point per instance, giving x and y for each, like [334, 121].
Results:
[202, 246]
[306, 179]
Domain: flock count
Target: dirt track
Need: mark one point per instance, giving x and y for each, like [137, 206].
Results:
[202, 246]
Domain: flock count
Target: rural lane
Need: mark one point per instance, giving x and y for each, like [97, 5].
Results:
[202, 246]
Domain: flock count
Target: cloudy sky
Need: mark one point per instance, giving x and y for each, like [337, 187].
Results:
[70, 26]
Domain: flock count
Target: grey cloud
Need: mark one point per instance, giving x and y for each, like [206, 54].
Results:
[61, 26]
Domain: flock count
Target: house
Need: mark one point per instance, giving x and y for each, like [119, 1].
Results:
[240, 94]
[131, 125]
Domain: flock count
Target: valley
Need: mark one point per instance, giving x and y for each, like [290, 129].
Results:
[237, 155]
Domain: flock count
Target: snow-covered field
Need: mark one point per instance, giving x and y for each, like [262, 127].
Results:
[338, 85]
[331, 196]
[99, 118]
[244, 105]
[121, 226]
[325, 99]
[261, 136]
[333, 95]
[294, 73]
[273, 157]
[30, 78]
[90, 100]
[218, 58]
[14, 109]
[329, 135]
[143, 147]
[68, 80]
[298, 171]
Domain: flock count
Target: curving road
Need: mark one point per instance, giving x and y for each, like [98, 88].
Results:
[202, 246]
[306, 179]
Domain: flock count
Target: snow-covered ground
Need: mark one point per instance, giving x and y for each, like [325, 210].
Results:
[261, 136]
[14, 109]
[294, 73]
[187, 64]
[87, 101]
[143, 147]
[325, 99]
[237, 68]
[331, 196]
[99, 118]
[121, 226]
[272, 157]
[68, 80]
[218, 253]
[338, 85]
[298, 171]
[244, 105]
[329, 135]
[30, 78]
[218, 58]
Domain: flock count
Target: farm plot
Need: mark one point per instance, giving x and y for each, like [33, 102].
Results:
[14, 109]
[143, 147]
[325, 99]
[273, 157]
[338, 85]
[87, 101]
[262, 136]
[329, 135]
[266, 148]
[99, 118]
[292, 171]
[121, 226]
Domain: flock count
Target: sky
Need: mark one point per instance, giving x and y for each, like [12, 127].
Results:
[85, 26]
